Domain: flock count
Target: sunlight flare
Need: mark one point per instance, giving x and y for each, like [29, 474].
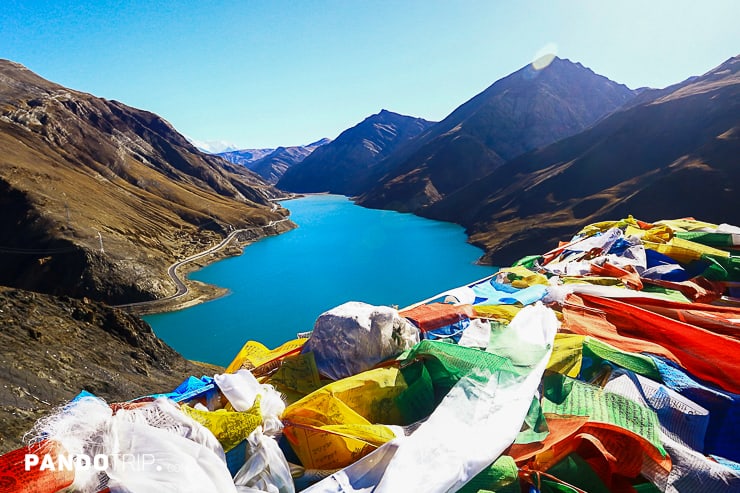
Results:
[545, 56]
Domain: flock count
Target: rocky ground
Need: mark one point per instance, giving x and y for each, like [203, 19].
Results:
[54, 347]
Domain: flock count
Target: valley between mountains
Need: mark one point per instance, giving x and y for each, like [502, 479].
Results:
[99, 199]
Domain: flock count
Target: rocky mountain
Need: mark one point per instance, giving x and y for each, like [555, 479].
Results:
[273, 165]
[673, 153]
[524, 111]
[246, 156]
[213, 146]
[55, 347]
[98, 198]
[346, 164]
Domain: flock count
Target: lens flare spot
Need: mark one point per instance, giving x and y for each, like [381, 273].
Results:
[545, 56]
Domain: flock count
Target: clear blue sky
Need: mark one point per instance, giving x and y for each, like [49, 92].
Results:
[269, 73]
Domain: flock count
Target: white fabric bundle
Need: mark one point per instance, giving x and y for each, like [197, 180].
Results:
[265, 469]
[151, 448]
[241, 389]
[354, 337]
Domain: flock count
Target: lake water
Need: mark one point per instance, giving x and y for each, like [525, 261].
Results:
[339, 252]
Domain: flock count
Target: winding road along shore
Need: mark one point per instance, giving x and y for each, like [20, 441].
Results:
[182, 287]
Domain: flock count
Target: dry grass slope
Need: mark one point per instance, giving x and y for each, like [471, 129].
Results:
[77, 170]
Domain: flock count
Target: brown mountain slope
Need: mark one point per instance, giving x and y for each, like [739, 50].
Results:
[274, 165]
[526, 110]
[345, 164]
[99, 198]
[55, 347]
[676, 155]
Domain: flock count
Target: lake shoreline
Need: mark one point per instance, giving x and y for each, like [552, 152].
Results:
[200, 292]
[196, 292]
[339, 252]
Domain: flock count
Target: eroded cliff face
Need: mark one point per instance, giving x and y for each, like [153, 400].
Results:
[54, 347]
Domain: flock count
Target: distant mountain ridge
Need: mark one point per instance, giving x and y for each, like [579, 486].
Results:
[345, 165]
[519, 113]
[98, 198]
[674, 152]
[213, 146]
[246, 156]
[271, 164]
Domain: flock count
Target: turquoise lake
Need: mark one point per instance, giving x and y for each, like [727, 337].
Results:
[339, 252]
